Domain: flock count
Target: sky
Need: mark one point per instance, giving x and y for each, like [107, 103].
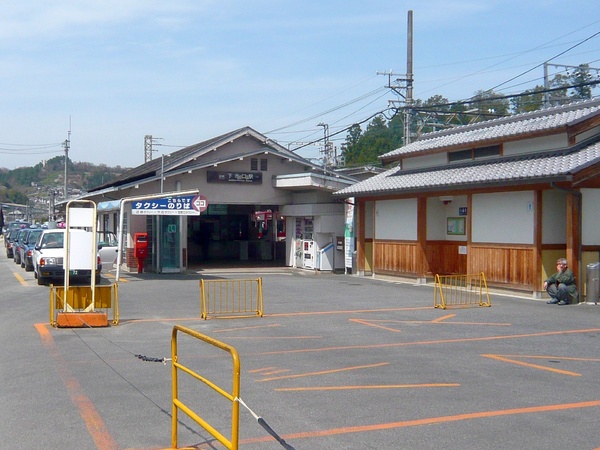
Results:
[106, 73]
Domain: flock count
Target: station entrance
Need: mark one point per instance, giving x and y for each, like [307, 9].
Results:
[243, 233]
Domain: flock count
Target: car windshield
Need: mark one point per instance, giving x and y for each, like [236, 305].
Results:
[52, 240]
[33, 237]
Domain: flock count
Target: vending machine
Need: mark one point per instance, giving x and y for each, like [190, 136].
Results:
[308, 254]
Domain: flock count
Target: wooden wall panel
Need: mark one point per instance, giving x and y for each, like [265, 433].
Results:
[511, 266]
[395, 257]
[443, 258]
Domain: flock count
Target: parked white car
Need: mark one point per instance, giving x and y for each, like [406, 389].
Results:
[48, 258]
[108, 248]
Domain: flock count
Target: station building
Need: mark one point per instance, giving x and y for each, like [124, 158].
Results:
[505, 197]
[238, 197]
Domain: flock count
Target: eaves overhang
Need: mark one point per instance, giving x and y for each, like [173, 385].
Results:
[553, 166]
[310, 181]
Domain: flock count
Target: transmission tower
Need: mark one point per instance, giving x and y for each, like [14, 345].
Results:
[148, 143]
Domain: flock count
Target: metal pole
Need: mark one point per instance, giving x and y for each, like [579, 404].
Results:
[409, 80]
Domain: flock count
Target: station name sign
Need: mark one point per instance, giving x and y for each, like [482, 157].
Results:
[214, 176]
[185, 205]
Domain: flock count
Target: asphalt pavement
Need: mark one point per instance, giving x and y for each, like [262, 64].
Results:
[336, 362]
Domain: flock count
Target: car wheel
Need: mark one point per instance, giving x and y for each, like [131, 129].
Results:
[98, 279]
[22, 264]
[40, 281]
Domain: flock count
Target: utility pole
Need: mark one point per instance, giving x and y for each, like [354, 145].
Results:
[403, 84]
[66, 146]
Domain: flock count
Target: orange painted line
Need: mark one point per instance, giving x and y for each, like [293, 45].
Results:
[389, 386]
[428, 421]
[272, 338]
[566, 358]
[353, 311]
[442, 323]
[366, 322]
[533, 366]
[176, 319]
[261, 370]
[436, 342]
[275, 372]
[440, 319]
[324, 372]
[88, 412]
[247, 328]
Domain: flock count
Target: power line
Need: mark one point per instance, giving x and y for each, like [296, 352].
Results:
[548, 60]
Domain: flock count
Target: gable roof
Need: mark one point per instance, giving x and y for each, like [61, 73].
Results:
[185, 158]
[558, 165]
[545, 121]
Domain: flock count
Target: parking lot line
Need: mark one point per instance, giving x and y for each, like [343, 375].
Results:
[385, 386]
[434, 342]
[509, 359]
[429, 421]
[323, 372]
[88, 412]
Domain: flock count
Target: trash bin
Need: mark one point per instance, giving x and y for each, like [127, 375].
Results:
[592, 283]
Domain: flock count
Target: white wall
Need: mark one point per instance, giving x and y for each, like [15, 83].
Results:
[535, 144]
[505, 217]
[396, 219]
[591, 217]
[436, 219]
[588, 134]
[554, 217]
[437, 215]
[417, 162]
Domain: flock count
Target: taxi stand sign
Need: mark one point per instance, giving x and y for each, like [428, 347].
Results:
[188, 205]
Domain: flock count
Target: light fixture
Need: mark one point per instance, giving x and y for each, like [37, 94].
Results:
[446, 199]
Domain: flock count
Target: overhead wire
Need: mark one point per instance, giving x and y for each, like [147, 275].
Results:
[541, 64]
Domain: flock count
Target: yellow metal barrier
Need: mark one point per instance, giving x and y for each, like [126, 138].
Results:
[461, 291]
[231, 396]
[79, 298]
[238, 297]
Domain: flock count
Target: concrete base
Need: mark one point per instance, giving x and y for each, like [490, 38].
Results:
[81, 319]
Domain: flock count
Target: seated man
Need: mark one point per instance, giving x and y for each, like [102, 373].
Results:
[561, 286]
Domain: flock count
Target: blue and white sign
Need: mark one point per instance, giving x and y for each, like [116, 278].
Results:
[186, 205]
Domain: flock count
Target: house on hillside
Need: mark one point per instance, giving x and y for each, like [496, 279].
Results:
[236, 197]
[505, 197]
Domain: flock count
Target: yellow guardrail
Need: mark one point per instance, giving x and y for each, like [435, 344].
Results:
[80, 299]
[460, 291]
[241, 298]
[230, 396]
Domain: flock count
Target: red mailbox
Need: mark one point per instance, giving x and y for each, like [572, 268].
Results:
[140, 249]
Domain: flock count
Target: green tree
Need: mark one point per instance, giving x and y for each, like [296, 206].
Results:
[533, 101]
[350, 148]
[488, 102]
[581, 76]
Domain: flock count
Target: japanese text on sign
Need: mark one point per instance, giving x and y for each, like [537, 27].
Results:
[190, 205]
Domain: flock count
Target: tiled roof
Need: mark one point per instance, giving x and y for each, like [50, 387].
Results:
[544, 120]
[181, 158]
[523, 169]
